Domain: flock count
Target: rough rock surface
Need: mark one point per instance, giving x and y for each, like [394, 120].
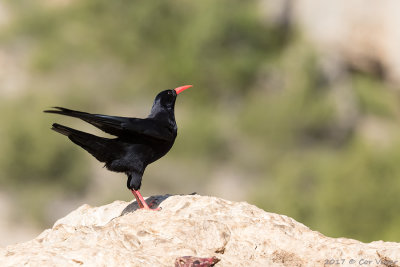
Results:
[237, 233]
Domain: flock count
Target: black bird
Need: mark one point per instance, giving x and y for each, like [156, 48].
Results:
[138, 142]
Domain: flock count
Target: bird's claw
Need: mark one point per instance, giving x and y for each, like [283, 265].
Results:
[149, 208]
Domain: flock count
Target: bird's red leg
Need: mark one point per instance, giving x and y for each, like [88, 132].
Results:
[140, 200]
[137, 199]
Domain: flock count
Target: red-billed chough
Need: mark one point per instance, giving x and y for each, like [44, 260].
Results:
[138, 142]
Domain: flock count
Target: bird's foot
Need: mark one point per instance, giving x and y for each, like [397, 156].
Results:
[142, 203]
[153, 203]
[149, 208]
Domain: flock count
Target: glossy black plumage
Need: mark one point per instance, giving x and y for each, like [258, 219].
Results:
[138, 142]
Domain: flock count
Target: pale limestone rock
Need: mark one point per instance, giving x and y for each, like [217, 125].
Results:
[238, 233]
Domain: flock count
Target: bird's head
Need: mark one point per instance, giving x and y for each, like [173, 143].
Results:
[165, 100]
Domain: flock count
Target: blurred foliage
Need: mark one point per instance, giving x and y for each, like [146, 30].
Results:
[320, 150]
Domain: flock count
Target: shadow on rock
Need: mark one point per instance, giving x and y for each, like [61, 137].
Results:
[153, 201]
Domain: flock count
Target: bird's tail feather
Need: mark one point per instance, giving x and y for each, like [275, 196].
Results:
[108, 124]
[99, 147]
[67, 112]
[63, 129]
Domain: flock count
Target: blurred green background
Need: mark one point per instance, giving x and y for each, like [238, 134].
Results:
[266, 121]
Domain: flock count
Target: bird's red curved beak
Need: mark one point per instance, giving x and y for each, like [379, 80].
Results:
[182, 88]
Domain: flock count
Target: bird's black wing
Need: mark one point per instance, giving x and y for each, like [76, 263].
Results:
[120, 126]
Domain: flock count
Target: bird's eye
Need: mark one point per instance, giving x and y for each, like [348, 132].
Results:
[170, 92]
